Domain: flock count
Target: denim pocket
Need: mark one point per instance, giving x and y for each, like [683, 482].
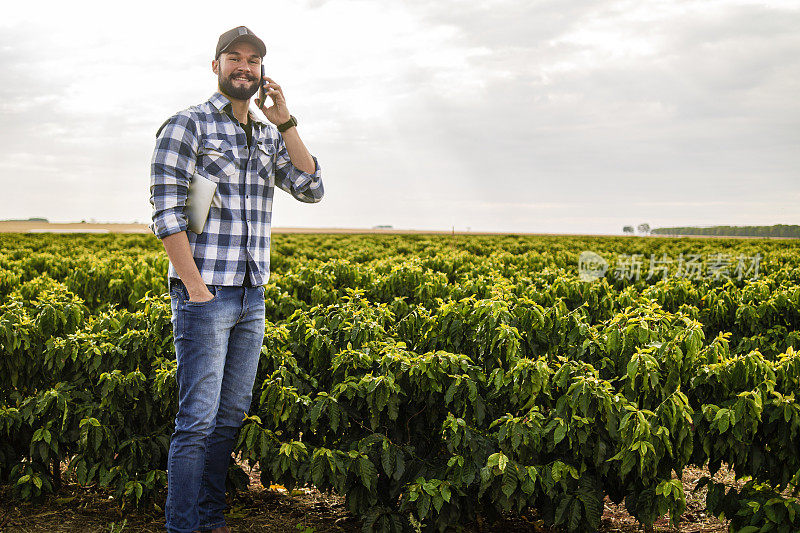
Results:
[211, 288]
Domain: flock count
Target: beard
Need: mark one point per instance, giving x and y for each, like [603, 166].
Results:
[241, 92]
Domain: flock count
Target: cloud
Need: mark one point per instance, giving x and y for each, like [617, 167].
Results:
[498, 114]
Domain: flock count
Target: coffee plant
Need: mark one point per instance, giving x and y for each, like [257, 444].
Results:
[430, 380]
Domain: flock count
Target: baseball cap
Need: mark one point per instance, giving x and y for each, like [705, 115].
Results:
[239, 33]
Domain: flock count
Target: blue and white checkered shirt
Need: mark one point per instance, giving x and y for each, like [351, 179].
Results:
[206, 139]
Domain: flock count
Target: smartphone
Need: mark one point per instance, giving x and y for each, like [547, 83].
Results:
[262, 95]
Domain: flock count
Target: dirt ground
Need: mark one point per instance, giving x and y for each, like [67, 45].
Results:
[273, 509]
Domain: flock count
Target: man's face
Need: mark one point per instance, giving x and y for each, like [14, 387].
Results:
[238, 71]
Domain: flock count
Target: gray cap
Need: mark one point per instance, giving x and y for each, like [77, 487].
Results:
[239, 33]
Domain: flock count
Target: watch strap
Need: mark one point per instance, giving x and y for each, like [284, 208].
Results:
[288, 124]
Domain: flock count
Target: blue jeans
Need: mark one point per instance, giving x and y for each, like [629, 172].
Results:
[217, 345]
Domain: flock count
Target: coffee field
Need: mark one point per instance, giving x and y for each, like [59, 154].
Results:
[429, 379]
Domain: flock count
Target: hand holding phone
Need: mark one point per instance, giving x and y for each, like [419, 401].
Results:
[276, 112]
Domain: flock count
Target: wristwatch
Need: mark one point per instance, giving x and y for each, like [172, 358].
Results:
[288, 124]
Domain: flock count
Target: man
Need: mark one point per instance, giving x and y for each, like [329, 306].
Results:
[217, 276]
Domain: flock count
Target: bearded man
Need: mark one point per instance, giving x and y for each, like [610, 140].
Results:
[217, 277]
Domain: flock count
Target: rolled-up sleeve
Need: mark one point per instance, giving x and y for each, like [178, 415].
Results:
[302, 185]
[171, 170]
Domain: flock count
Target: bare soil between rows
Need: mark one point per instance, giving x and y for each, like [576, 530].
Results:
[273, 509]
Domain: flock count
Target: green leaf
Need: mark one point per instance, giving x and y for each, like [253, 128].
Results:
[81, 471]
[451, 391]
[318, 468]
[493, 459]
[633, 368]
[388, 458]
[502, 461]
[575, 516]
[724, 422]
[771, 514]
[560, 433]
[509, 484]
[437, 502]
[628, 462]
[563, 504]
[445, 492]
[368, 473]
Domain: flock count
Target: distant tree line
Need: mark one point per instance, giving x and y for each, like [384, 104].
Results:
[778, 230]
[643, 228]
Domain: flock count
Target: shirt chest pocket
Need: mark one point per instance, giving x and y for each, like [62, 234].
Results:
[265, 153]
[216, 158]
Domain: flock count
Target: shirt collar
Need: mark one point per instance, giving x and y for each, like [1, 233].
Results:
[222, 104]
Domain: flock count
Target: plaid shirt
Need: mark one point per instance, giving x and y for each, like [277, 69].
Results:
[206, 139]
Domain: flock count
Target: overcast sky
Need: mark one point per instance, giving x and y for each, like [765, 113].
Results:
[502, 115]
